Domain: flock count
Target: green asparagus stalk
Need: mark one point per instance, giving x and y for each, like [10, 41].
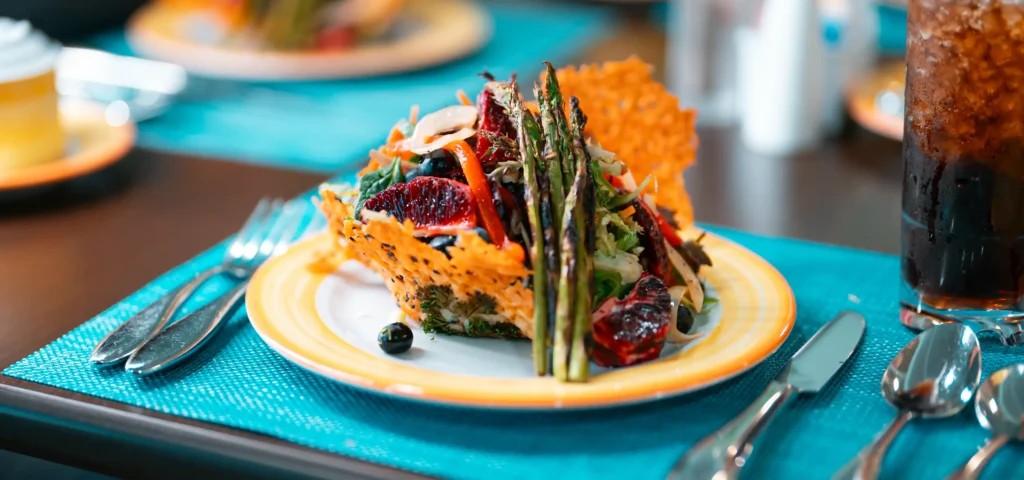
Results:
[533, 205]
[579, 358]
[565, 312]
[556, 108]
[544, 237]
[551, 250]
[554, 161]
[552, 200]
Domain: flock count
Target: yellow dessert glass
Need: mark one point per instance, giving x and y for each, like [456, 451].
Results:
[30, 127]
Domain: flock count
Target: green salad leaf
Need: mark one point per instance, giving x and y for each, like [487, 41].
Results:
[376, 181]
[628, 241]
[606, 284]
[605, 191]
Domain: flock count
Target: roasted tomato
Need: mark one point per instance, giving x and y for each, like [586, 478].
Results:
[632, 330]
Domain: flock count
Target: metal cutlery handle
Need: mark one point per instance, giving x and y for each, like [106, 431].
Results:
[1009, 333]
[720, 455]
[186, 336]
[972, 469]
[867, 463]
[131, 335]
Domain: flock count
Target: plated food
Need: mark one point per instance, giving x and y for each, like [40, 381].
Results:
[425, 284]
[295, 25]
[492, 219]
[307, 39]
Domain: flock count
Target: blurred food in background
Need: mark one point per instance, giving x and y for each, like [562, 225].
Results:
[294, 24]
[307, 39]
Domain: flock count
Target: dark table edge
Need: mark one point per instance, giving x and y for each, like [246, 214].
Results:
[29, 401]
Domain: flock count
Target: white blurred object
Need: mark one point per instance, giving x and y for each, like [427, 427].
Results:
[24, 51]
[851, 31]
[782, 62]
[131, 87]
[702, 57]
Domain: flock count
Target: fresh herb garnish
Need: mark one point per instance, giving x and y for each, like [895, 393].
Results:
[448, 315]
[376, 181]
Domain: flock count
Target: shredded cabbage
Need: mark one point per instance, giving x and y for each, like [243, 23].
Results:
[625, 264]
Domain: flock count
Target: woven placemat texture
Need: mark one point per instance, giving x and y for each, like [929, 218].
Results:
[247, 385]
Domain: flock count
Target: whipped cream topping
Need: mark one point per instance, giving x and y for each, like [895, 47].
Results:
[24, 51]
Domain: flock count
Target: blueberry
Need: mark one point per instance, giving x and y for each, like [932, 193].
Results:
[439, 163]
[483, 234]
[395, 338]
[684, 319]
[412, 173]
[442, 242]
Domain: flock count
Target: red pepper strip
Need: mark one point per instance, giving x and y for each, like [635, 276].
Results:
[615, 181]
[667, 231]
[482, 193]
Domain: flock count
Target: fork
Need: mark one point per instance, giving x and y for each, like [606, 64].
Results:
[186, 336]
[130, 336]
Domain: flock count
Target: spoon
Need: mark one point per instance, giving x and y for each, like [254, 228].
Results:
[1000, 408]
[934, 376]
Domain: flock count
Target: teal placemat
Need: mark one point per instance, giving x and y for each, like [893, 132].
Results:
[324, 126]
[247, 385]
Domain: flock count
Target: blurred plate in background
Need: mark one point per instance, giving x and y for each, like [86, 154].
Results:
[94, 140]
[430, 32]
[876, 102]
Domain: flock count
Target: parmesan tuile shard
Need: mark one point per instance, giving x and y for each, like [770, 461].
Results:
[631, 114]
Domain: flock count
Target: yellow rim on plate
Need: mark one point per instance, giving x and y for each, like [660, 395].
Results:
[757, 315]
[445, 30]
[92, 144]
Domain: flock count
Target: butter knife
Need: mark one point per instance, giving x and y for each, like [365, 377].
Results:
[131, 335]
[720, 455]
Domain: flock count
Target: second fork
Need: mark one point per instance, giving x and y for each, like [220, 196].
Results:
[178, 341]
[131, 335]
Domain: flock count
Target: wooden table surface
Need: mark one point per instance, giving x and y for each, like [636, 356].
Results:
[69, 252]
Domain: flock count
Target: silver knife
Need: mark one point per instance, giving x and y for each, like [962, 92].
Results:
[720, 455]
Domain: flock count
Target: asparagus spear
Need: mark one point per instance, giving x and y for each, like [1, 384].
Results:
[579, 359]
[573, 315]
[554, 161]
[556, 108]
[533, 202]
[539, 216]
[565, 312]
[551, 251]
